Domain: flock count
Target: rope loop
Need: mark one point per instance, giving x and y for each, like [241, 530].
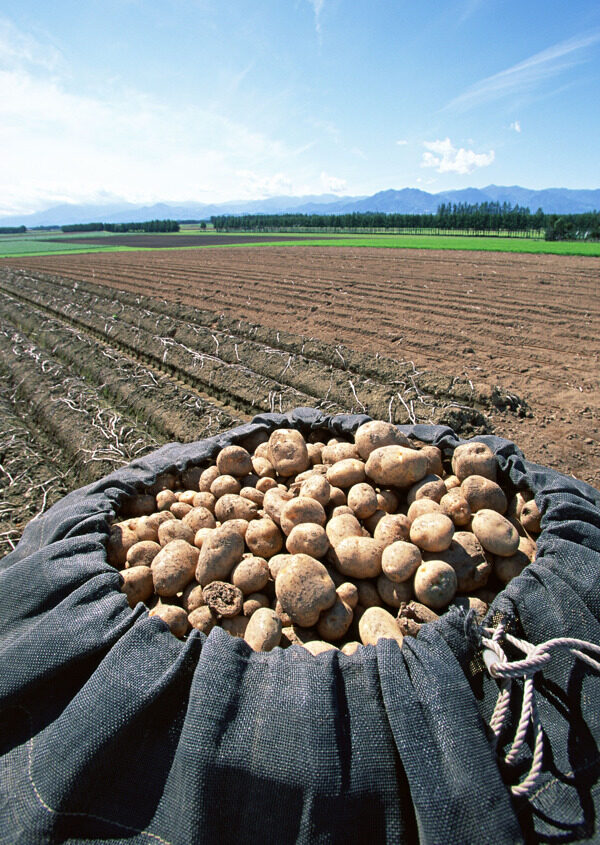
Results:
[525, 669]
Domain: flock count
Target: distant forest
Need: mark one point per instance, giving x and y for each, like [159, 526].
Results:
[148, 226]
[12, 230]
[484, 218]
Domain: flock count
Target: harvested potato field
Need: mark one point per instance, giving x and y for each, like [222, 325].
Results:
[106, 356]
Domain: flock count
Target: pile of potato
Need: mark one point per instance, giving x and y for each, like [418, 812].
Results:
[325, 543]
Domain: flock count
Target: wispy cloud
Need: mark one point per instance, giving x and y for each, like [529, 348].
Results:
[526, 74]
[317, 8]
[516, 125]
[402, 143]
[21, 49]
[446, 158]
[332, 184]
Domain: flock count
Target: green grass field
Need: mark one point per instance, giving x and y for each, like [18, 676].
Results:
[19, 246]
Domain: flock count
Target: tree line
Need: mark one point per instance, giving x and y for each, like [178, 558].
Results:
[487, 217]
[12, 230]
[147, 226]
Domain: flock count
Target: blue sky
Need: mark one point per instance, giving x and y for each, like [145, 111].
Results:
[208, 100]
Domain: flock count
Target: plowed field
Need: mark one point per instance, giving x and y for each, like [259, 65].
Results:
[106, 356]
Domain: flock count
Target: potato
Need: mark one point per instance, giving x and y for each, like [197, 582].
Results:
[337, 497]
[495, 533]
[192, 597]
[305, 589]
[482, 493]
[224, 485]
[137, 584]
[264, 538]
[142, 553]
[394, 593]
[515, 505]
[253, 602]
[175, 617]
[235, 625]
[348, 593]
[250, 574]
[362, 498]
[223, 599]
[531, 517]
[287, 452]
[374, 434]
[232, 506]
[371, 522]
[206, 479]
[180, 509]
[234, 460]
[203, 619]
[432, 532]
[186, 496]
[396, 466]
[400, 560]
[300, 510]
[467, 603]
[120, 540]
[164, 500]
[317, 647]
[316, 487]
[454, 505]
[341, 510]
[334, 622]
[309, 539]
[507, 568]
[387, 501]
[286, 619]
[367, 595]
[263, 631]
[435, 583]
[199, 517]
[474, 459]
[359, 557]
[218, 555]
[296, 635]
[264, 484]
[422, 506]
[315, 452]
[376, 624]
[274, 502]
[147, 527]
[174, 529]
[391, 528]
[451, 481]
[253, 495]
[471, 563]
[430, 487]
[412, 616]
[204, 500]
[173, 567]
[235, 526]
[335, 452]
[350, 648]
[276, 564]
[346, 473]
[434, 459]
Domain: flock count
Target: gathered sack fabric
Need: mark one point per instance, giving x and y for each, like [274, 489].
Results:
[112, 730]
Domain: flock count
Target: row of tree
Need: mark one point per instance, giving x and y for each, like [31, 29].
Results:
[487, 217]
[12, 230]
[147, 226]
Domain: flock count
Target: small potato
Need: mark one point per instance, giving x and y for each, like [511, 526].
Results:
[305, 590]
[276, 564]
[287, 452]
[235, 625]
[173, 567]
[396, 466]
[274, 502]
[451, 481]
[348, 593]
[495, 533]
[432, 532]
[400, 560]
[147, 527]
[341, 510]
[340, 527]
[204, 500]
[296, 635]
[235, 526]
[377, 624]
[253, 602]
[263, 467]
[362, 498]
[334, 622]
[201, 535]
[507, 568]
[264, 538]
[337, 497]
[531, 517]
[317, 647]
[203, 619]
[435, 583]
[223, 599]
[232, 506]
[350, 648]
[186, 496]
[308, 539]
[387, 501]
[199, 518]
[470, 562]
[515, 505]
[174, 529]
[234, 460]
[264, 484]
[137, 584]
[120, 540]
[334, 452]
[253, 495]
[250, 574]
[474, 459]
[346, 473]
[393, 593]
[367, 594]
[192, 597]
[374, 434]
[430, 487]
[175, 617]
[422, 506]
[482, 493]
[300, 510]
[263, 631]
[206, 479]
[136, 506]
[359, 557]
[224, 485]
[262, 450]
[392, 527]
[142, 553]
[180, 509]
[316, 487]
[218, 555]
[454, 505]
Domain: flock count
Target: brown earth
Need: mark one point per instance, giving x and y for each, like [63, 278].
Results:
[164, 241]
[530, 324]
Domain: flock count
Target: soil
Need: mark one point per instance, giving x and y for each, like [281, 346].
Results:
[164, 241]
[528, 324]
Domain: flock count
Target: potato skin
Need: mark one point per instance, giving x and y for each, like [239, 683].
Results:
[264, 538]
[346, 473]
[307, 538]
[137, 584]
[218, 555]
[263, 631]
[287, 452]
[234, 460]
[432, 532]
[359, 557]
[495, 533]
[305, 589]
[396, 466]
[175, 617]
[435, 584]
[173, 567]
[376, 624]
[376, 433]
[301, 510]
[481, 492]
[474, 459]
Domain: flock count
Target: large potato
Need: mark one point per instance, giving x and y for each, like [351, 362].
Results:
[142, 553]
[400, 560]
[432, 532]
[362, 499]
[359, 557]
[218, 555]
[300, 510]
[396, 466]
[495, 533]
[232, 506]
[435, 583]
[374, 434]
[377, 624]
[250, 574]
[346, 473]
[174, 529]
[307, 538]
[482, 493]
[199, 517]
[305, 589]
[316, 487]
[334, 452]
[173, 567]
[474, 459]
[264, 537]
[234, 460]
[263, 631]
[287, 452]
[137, 584]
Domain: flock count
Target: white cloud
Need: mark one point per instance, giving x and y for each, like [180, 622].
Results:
[402, 143]
[19, 49]
[447, 159]
[317, 8]
[516, 125]
[526, 74]
[333, 185]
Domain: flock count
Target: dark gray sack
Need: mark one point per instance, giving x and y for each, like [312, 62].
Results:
[112, 730]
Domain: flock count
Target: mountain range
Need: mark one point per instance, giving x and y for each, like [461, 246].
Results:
[407, 201]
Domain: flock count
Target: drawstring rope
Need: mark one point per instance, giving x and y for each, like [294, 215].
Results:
[499, 667]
